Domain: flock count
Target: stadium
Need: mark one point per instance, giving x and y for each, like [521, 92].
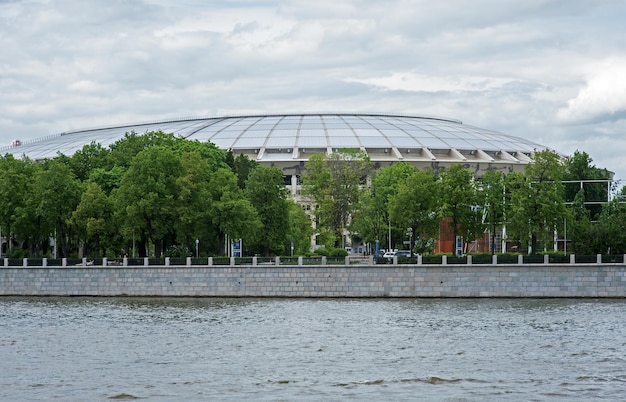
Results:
[287, 141]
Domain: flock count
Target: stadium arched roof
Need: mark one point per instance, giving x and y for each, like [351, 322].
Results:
[288, 140]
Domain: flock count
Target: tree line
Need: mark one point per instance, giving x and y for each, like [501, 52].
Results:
[151, 194]
[552, 198]
[158, 194]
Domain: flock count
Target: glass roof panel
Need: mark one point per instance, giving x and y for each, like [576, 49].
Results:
[431, 142]
[406, 142]
[255, 133]
[312, 142]
[311, 119]
[252, 142]
[417, 132]
[405, 126]
[343, 142]
[482, 144]
[227, 143]
[381, 125]
[280, 142]
[442, 134]
[358, 126]
[395, 133]
[375, 142]
[287, 125]
[369, 132]
[340, 132]
[257, 126]
[227, 134]
[203, 135]
[283, 133]
[458, 143]
[337, 125]
[312, 132]
[526, 147]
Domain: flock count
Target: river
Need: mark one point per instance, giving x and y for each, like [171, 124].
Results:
[173, 349]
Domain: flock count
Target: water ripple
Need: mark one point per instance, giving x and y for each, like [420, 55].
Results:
[308, 349]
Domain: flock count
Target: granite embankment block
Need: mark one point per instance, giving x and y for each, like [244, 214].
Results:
[593, 280]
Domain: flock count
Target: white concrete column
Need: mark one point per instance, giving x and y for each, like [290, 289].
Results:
[294, 184]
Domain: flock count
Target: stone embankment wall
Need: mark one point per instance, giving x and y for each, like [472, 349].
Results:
[541, 280]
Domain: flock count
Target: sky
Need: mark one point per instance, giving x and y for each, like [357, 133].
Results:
[552, 71]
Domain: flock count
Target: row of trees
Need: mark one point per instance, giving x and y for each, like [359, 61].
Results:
[157, 194]
[402, 201]
[151, 194]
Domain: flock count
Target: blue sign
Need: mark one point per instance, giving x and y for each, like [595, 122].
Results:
[236, 248]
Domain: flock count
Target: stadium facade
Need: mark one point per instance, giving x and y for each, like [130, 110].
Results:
[287, 141]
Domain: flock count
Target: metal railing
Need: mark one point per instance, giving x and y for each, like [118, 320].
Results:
[444, 260]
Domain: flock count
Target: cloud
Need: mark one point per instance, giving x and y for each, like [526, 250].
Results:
[414, 82]
[528, 69]
[602, 98]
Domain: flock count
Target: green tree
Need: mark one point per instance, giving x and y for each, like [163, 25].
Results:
[107, 179]
[458, 198]
[492, 200]
[266, 192]
[55, 195]
[333, 181]
[231, 214]
[299, 229]
[415, 205]
[84, 161]
[537, 206]
[579, 168]
[192, 201]
[371, 219]
[147, 196]
[14, 192]
[93, 217]
[242, 166]
[123, 152]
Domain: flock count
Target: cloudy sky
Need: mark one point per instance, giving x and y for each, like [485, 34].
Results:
[553, 71]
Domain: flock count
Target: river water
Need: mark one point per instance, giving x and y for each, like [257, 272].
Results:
[169, 349]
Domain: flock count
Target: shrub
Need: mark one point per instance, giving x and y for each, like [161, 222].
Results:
[322, 251]
[338, 252]
[177, 251]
